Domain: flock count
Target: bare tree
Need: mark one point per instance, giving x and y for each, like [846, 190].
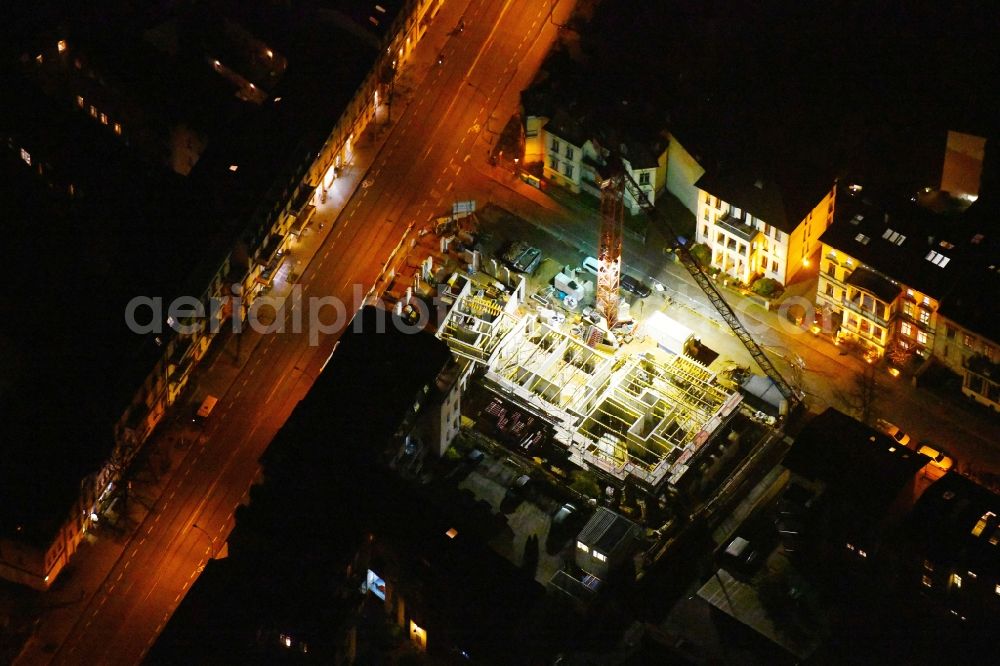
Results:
[863, 393]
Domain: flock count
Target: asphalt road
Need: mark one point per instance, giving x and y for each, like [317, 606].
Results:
[446, 124]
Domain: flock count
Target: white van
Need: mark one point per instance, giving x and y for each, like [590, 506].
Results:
[590, 264]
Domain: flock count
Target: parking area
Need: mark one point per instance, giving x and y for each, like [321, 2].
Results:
[528, 514]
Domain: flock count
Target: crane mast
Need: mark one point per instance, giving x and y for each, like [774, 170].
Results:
[609, 256]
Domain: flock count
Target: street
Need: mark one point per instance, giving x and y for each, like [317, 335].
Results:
[423, 154]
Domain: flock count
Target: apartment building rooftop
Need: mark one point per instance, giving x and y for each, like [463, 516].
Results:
[903, 242]
[781, 194]
[959, 521]
[965, 304]
[863, 469]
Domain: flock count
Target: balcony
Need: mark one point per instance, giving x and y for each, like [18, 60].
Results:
[736, 227]
[867, 314]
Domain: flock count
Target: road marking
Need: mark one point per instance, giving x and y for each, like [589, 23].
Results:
[489, 37]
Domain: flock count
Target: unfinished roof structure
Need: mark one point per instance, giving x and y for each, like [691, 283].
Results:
[641, 416]
[481, 314]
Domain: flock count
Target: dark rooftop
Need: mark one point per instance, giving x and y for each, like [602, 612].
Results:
[781, 194]
[965, 304]
[869, 280]
[958, 520]
[906, 242]
[324, 462]
[861, 466]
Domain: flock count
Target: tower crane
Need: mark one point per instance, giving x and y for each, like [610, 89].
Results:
[609, 255]
[697, 272]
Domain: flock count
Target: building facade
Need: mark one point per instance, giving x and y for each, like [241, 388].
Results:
[886, 269]
[573, 155]
[754, 231]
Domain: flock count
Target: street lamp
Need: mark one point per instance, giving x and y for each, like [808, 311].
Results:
[211, 538]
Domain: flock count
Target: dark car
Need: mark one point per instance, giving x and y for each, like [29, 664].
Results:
[633, 286]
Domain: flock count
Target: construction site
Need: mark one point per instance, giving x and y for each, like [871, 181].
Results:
[637, 412]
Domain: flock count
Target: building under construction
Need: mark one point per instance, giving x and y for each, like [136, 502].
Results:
[641, 416]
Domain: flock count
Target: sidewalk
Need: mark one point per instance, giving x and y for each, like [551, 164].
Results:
[176, 435]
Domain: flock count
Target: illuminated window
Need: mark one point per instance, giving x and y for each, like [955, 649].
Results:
[921, 337]
[955, 580]
[981, 524]
[644, 178]
[118, 129]
[925, 316]
[601, 557]
[451, 533]
[582, 546]
[926, 580]
[79, 101]
[61, 45]
[997, 589]
[928, 565]
[906, 328]
[972, 575]
[850, 547]
[26, 156]
[93, 111]
[104, 119]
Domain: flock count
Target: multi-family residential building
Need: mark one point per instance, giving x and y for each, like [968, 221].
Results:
[967, 340]
[218, 231]
[573, 151]
[763, 226]
[954, 549]
[885, 269]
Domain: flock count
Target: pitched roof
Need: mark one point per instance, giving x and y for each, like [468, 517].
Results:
[781, 196]
[947, 519]
[864, 468]
[901, 240]
[878, 284]
[965, 305]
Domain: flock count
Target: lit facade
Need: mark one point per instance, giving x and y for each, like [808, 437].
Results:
[572, 158]
[745, 245]
[873, 309]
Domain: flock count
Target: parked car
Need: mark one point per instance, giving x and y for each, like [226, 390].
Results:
[633, 286]
[893, 431]
[518, 490]
[563, 515]
[591, 265]
[939, 459]
[205, 410]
